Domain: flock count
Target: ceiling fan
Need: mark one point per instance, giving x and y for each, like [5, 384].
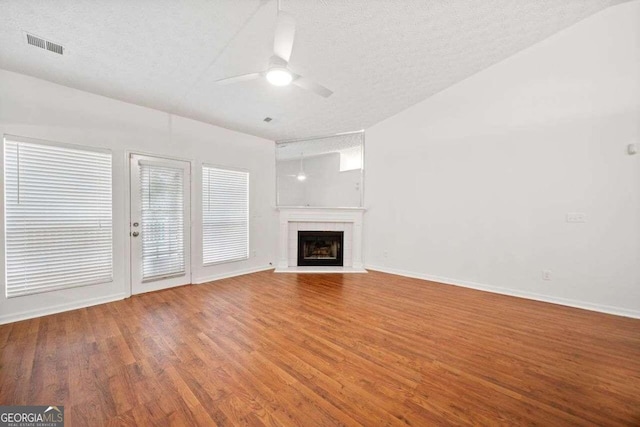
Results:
[278, 72]
[301, 175]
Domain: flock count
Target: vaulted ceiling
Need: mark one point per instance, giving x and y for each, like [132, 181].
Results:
[378, 56]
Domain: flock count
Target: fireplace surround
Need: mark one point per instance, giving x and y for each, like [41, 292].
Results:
[295, 219]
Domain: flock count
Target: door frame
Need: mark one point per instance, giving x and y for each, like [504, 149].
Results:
[128, 282]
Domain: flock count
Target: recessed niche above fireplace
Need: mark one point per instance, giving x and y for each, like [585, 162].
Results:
[320, 248]
[321, 172]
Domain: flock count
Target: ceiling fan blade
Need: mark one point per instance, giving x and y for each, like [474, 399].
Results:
[312, 86]
[240, 78]
[285, 33]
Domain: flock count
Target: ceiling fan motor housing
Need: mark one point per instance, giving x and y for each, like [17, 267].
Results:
[278, 74]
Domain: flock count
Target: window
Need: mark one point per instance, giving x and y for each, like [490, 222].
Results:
[225, 215]
[351, 159]
[58, 231]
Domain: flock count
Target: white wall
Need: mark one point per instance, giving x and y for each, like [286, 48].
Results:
[472, 186]
[38, 109]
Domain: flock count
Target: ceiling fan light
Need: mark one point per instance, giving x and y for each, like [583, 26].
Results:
[279, 76]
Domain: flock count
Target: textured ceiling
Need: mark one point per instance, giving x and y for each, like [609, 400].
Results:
[379, 57]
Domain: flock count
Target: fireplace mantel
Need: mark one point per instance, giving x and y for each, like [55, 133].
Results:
[313, 218]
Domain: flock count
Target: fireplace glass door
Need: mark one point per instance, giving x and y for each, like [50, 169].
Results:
[320, 248]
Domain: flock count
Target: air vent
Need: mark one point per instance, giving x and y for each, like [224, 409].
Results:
[55, 48]
[44, 44]
[36, 41]
[267, 119]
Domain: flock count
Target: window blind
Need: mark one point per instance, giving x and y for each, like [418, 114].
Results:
[161, 192]
[58, 212]
[225, 215]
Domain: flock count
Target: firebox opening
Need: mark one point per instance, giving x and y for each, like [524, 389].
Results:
[317, 248]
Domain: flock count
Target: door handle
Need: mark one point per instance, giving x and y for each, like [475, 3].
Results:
[135, 234]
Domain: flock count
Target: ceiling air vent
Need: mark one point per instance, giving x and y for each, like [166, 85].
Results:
[44, 44]
[36, 41]
[55, 48]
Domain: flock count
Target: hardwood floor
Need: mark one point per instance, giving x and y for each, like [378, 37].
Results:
[363, 349]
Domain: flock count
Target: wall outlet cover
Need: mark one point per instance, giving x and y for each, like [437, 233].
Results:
[576, 217]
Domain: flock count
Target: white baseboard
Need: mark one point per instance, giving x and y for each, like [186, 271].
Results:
[45, 311]
[29, 314]
[206, 279]
[618, 311]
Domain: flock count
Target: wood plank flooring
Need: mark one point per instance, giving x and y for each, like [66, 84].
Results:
[363, 349]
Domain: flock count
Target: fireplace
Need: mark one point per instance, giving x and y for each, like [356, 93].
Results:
[316, 248]
[347, 220]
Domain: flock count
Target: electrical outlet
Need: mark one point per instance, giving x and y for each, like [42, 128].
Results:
[255, 253]
[546, 275]
[385, 254]
[576, 217]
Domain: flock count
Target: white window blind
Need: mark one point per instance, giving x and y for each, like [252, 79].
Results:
[161, 192]
[225, 215]
[58, 217]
